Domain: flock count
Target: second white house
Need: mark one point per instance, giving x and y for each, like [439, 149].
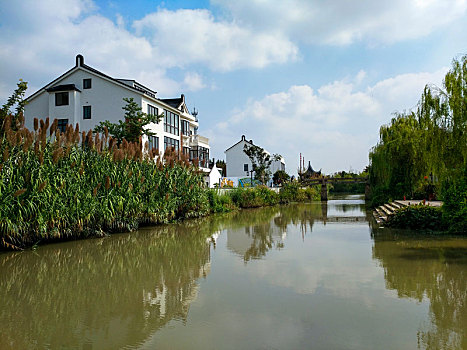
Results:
[239, 164]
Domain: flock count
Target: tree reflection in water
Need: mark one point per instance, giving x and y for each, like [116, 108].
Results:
[433, 268]
[101, 293]
[259, 230]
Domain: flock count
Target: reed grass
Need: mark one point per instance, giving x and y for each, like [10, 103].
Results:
[75, 184]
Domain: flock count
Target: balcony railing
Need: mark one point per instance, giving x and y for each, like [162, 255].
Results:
[196, 139]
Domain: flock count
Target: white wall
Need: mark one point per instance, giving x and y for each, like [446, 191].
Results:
[106, 100]
[104, 97]
[37, 108]
[277, 165]
[235, 158]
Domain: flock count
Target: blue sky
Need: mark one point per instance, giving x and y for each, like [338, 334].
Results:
[298, 76]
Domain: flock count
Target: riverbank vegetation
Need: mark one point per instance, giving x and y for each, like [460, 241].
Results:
[76, 185]
[423, 153]
[348, 187]
[66, 185]
[260, 196]
[417, 217]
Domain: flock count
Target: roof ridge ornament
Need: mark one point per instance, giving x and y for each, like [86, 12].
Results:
[79, 60]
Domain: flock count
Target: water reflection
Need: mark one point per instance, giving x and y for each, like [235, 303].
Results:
[264, 229]
[296, 276]
[434, 269]
[101, 294]
[253, 239]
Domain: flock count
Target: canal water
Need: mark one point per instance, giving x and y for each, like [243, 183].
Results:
[299, 276]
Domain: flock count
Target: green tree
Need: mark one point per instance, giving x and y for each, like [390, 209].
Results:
[424, 147]
[222, 165]
[280, 177]
[133, 127]
[16, 99]
[260, 161]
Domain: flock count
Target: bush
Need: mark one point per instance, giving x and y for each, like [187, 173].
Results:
[259, 196]
[455, 203]
[417, 217]
[292, 192]
[220, 203]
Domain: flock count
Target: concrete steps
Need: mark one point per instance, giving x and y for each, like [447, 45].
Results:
[383, 212]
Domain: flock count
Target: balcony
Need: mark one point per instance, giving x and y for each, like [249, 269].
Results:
[198, 140]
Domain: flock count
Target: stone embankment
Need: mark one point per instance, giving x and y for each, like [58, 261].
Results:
[383, 212]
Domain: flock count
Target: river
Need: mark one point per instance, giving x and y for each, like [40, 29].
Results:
[300, 276]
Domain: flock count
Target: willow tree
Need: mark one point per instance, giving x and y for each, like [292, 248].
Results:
[428, 144]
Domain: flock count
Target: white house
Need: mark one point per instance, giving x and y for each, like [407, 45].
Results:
[239, 164]
[85, 96]
[214, 177]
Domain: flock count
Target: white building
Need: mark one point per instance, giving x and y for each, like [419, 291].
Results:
[85, 96]
[239, 164]
[214, 177]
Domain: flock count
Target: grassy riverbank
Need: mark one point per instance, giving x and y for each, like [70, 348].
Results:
[76, 185]
[71, 185]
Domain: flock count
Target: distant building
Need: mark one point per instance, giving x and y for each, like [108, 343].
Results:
[310, 173]
[239, 164]
[214, 177]
[85, 96]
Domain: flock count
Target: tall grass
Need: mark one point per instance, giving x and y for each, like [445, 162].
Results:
[57, 185]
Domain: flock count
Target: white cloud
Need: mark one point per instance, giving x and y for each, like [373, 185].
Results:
[193, 36]
[342, 22]
[336, 124]
[40, 42]
[193, 82]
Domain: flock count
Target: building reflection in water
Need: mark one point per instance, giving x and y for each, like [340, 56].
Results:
[102, 293]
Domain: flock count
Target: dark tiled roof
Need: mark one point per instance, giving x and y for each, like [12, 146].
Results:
[80, 63]
[172, 102]
[65, 87]
[242, 139]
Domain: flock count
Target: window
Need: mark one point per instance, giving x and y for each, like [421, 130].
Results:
[61, 98]
[245, 167]
[61, 124]
[153, 142]
[200, 153]
[152, 110]
[186, 151]
[169, 142]
[185, 127]
[86, 112]
[87, 83]
[171, 122]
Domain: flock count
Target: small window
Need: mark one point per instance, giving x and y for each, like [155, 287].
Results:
[61, 124]
[153, 142]
[87, 83]
[86, 112]
[245, 167]
[152, 110]
[61, 98]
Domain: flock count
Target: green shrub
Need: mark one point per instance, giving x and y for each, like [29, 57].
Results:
[220, 203]
[417, 217]
[455, 203]
[292, 192]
